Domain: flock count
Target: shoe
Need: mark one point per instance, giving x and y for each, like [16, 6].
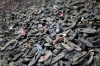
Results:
[32, 52]
[48, 54]
[47, 39]
[47, 62]
[17, 56]
[7, 44]
[82, 58]
[39, 48]
[34, 59]
[73, 34]
[91, 58]
[86, 30]
[57, 40]
[26, 47]
[25, 60]
[67, 47]
[70, 55]
[85, 42]
[77, 56]
[58, 57]
[74, 46]
[14, 45]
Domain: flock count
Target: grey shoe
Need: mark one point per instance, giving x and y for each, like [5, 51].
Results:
[58, 57]
[67, 47]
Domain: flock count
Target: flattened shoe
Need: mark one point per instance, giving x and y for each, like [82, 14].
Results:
[44, 58]
[67, 47]
[47, 39]
[26, 47]
[82, 58]
[16, 57]
[14, 45]
[70, 55]
[57, 40]
[39, 48]
[77, 56]
[25, 60]
[85, 42]
[58, 57]
[34, 59]
[91, 58]
[32, 52]
[57, 46]
[74, 46]
[73, 34]
[84, 30]
[6, 45]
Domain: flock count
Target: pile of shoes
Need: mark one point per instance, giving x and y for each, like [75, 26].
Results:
[55, 33]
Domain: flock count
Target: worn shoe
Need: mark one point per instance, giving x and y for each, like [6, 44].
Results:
[67, 47]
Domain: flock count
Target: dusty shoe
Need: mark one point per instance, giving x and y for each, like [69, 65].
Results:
[74, 46]
[67, 47]
[57, 51]
[77, 56]
[58, 57]
[57, 40]
[40, 49]
[70, 55]
[44, 58]
[84, 30]
[85, 42]
[91, 58]
[82, 58]
[32, 52]
[34, 59]
[47, 39]
[6, 45]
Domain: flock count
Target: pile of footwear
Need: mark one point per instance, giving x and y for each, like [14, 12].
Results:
[56, 33]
